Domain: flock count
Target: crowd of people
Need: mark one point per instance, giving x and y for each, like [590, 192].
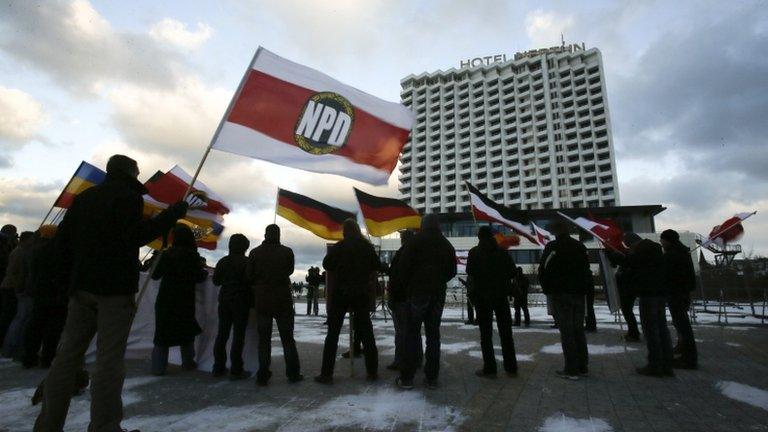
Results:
[62, 286]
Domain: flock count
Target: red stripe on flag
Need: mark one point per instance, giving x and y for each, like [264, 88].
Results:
[273, 107]
[310, 214]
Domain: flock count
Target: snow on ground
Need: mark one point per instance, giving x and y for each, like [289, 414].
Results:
[378, 410]
[592, 349]
[733, 344]
[520, 357]
[18, 414]
[563, 423]
[744, 393]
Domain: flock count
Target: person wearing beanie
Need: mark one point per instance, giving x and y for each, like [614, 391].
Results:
[351, 264]
[492, 270]
[644, 271]
[427, 264]
[269, 268]
[565, 278]
[98, 245]
[235, 303]
[680, 278]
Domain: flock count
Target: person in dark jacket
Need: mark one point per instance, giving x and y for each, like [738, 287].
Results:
[644, 268]
[49, 302]
[428, 262]
[492, 269]
[470, 307]
[235, 303]
[98, 245]
[521, 297]
[590, 320]
[565, 278]
[680, 278]
[269, 267]
[9, 238]
[398, 305]
[313, 288]
[14, 288]
[352, 264]
[180, 268]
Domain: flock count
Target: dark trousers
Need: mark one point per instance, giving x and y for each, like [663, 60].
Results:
[13, 344]
[470, 311]
[312, 299]
[521, 303]
[44, 331]
[160, 357]
[109, 319]
[654, 322]
[627, 310]
[569, 316]
[362, 327]
[399, 320]
[284, 320]
[426, 311]
[233, 318]
[590, 321]
[678, 308]
[7, 311]
[485, 311]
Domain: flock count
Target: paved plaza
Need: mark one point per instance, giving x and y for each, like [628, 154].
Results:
[728, 393]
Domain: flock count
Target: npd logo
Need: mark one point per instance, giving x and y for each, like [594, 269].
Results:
[325, 123]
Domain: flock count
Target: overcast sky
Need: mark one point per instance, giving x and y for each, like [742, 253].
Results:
[687, 88]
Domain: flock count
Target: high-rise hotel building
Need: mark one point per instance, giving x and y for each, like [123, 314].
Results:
[530, 132]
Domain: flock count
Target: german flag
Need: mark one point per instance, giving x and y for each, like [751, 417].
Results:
[386, 215]
[321, 219]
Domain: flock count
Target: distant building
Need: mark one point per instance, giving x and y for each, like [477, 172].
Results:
[531, 132]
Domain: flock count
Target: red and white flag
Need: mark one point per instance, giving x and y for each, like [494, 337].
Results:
[728, 231]
[607, 233]
[295, 116]
[541, 235]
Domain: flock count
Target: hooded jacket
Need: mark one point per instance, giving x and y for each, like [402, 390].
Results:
[427, 262]
[100, 236]
[352, 263]
[491, 269]
[230, 273]
[269, 268]
[679, 274]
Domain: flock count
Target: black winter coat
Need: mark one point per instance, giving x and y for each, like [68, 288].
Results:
[231, 275]
[45, 286]
[352, 262]
[270, 266]
[679, 274]
[6, 246]
[428, 262]
[100, 236]
[564, 267]
[643, 269]
[397, 292]
[492, 270]
[179, 269]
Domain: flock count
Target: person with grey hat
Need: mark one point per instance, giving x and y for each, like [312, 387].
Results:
[680, 278]
[98, 245]
[644, 270]
[565, 278]
[428, 262]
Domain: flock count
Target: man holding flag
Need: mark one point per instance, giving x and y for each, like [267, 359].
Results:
[98, 241]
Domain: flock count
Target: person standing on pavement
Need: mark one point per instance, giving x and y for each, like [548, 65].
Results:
[235, 303]
[492, 270]
[180, 268]
[98, 242]
[14, 286]
[313, 288]
[680, 278]
[590, 320]
[428, 262]
[269, 267]
[352, 263]
[565, 278]
[521, 297]
[644, 267]
[398, 304]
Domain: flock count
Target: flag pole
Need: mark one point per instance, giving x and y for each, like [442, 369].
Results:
[277, 199]
[605, 243]
[722, 231]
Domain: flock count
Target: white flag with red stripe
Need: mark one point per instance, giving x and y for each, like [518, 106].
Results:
[295, 116]
[728, 231]
[605, 234]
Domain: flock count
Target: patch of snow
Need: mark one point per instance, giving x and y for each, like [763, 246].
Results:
[592, 349]
[744, 393]
[563, 423]
[520, 357]
[457, 347]
[733, 344]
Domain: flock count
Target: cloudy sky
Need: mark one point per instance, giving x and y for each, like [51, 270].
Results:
[687, 86]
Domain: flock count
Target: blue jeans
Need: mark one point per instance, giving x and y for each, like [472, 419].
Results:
[160, 357]
[13, 345]
[426, 311]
